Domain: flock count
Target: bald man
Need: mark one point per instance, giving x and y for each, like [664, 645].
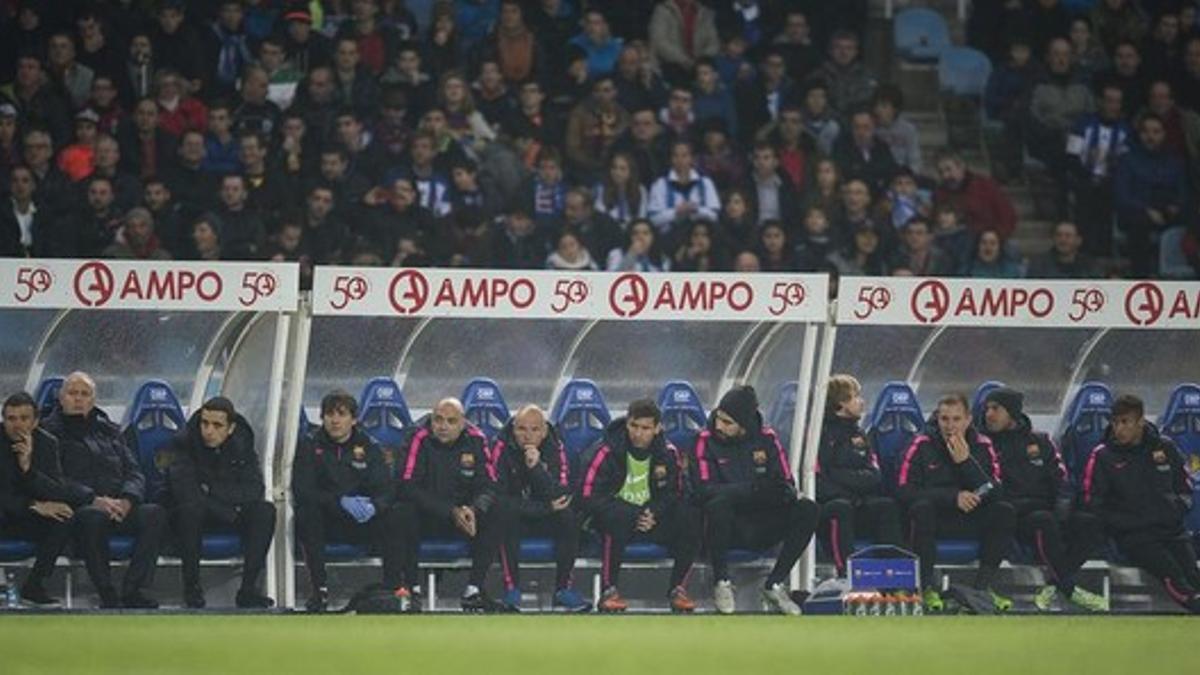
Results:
[448, 490]
[534, 477]
[98, 466]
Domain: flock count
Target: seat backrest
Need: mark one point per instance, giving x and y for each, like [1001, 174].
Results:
[963, 71]
[1181, 423]
[683, 415]
[895, 419]
[782, 411]
[485, 407]
[153, 418]
[978, 400]
[47, 395]
[920, 33]
[383, 414]
[580, 414]
[1083, 426]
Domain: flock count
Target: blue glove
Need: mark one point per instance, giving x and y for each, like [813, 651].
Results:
[354, 507]
[368, 509]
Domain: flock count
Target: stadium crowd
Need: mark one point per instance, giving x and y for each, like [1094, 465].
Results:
[72, 478]
[678, 135]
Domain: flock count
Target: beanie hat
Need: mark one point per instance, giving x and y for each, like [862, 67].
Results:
[741, 403]
[1009, 399]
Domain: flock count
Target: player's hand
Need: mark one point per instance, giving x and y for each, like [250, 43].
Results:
[532, 456]
[53, 510]
[560, 503]
[23, 448]
[645, 521]
[968, 501]
[123, 507]
[464, 520]
[960, 451]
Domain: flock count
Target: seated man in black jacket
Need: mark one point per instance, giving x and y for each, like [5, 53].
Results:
[448, 490]
[1035, 482]
[849, 482]
[745, 485]
[1137, 482]
[530, 463]
[109, 488]
[33, 502]
[950, 485]
[343, 493]
[215, 480]
[634, 489]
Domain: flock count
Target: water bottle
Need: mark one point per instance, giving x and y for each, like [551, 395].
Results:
[861, 606]
[9, 590]
[903, 608]
[918, 607]
[876, 605]
[889, 605]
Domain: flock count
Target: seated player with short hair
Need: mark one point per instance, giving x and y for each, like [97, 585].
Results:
[746, 488]
[634, 490]
[343, 492]
[215, 479]
[447, 489]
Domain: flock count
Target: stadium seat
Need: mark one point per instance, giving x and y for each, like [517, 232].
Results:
[307, 428]
[151, 421]
[920, 34]
[580, 414]
[783, 411]
[1181, 423]
[895, 419]
[1172, 261]
[1083, 426]
[485, 406]
[977, 402]
[16, 550]
[47, 395]
[963, 72]
[683, 415]
[383, 414]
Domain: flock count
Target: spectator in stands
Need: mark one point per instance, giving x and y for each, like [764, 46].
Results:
[796, 44]
[269, 189]
[904, 200]
[556, 21]
[1163, 50]
[1086, 51]
[1143, 505]
[1006, 99]
[1097, 142]
[1035, 482]
[1127, 73]
[1047, 20]
[517, 242]
[10, 145]
[282, 75]
[849, 482]
[919, 254]
[1055, 104]
[700, 250]
[863, 154]
[1151, 193]
[447, 488]
[793, 146]
[863, 254]
[174, 43]
[760, 100]
[621, 195]
[177, 112]
[738, 224]
[774, 197]
[950, 485]
[682, 31]
[377, 36]
[677, 115]
[1187, 80]
[194, 188]
[639, 84]
[719, 157]
[19, 232]
[593, 127]
[978, 198]
[254, 110]
[35, 504]
[77, 160]
[1182, 127]
[215, 480]
[814, 245]
[745, 487]
[96, 224]
[72, 77]
[206, 237]
[106, 104]
[136, 238]
[343, 493]
[711, 99]
[598, 42]
[243, 232]
[168, 217]
[851, 83]
[102, 472]
[569, 253]
[126, 187]
[746, 262]
[596, 231]
[226, 49]
[355, 85]
[991, 260]
[855, 208]
[774, 248]
[641, 251]
[682, 195]
[632, 490]
[1117, 21]
[825, 192]
[894, 129]
[37, 100]
[530, 465]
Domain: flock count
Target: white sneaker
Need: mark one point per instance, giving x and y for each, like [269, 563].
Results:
[723, 597]
[776, 598]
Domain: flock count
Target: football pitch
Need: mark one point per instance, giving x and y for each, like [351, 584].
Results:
[573, 645]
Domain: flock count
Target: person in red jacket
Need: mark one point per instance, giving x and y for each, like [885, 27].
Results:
[978, 198]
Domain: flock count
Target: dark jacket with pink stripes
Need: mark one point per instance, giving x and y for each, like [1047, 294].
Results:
[1139, 489]
[531, 488]
[604, 473]
[847, 466]
[326, 470]
[928, 473]
[439, 477]
[750, 469]
[1035, 477]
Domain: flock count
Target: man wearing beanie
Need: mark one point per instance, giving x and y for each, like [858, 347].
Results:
[1035, 482]
[745, 485]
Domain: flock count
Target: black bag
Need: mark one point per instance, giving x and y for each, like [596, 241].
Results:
[375, 599]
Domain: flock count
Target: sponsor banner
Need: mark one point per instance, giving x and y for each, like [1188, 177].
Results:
[1018, 303]
[569, 295]
[170, 286]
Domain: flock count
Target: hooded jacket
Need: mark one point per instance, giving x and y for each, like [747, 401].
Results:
[753, 467]
[325, 471]
[1034, 474]
[847, 466]
[218, 479]
[604, 469]
[1138, 489]
[95, 460]
[43, 482]
[533, 488]
[440, 477]
[928, 472]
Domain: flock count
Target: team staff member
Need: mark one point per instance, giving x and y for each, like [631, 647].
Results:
[1137, 482]
[950, 483]
[746, 488]
[849, 482]
[34, 503]
[101, 470]
[1035, 483]
[634, 489]
[447, 490]
[343, 492]
[530, 463]
[215, 480]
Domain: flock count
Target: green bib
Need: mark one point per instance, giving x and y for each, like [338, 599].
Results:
[636, 489]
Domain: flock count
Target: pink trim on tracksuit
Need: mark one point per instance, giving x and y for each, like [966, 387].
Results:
[414, 448]
[908, 457]
[836, 541]
[589, 481]
[562, 464]
[701, 449]
[1040, 538]
[1089, 474]
[783, 460]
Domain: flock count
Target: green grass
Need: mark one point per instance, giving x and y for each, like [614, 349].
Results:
[612, 645]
